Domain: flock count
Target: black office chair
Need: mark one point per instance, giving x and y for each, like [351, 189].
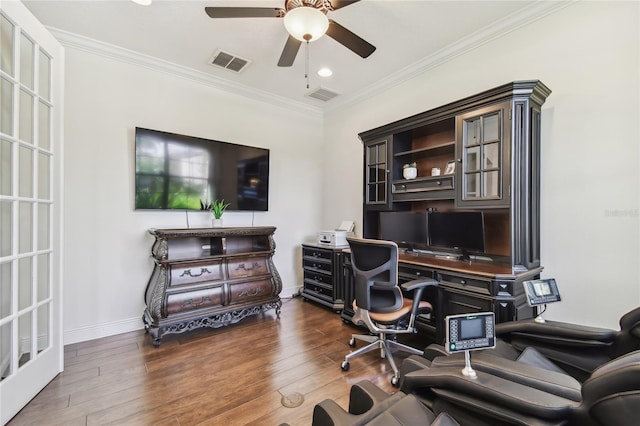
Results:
[379, 302]
[370, 405]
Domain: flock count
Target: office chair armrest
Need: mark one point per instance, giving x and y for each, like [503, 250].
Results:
[418, 284]
[417, 287]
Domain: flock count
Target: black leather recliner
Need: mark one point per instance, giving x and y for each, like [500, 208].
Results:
[576, 349]
[370, 405]
[509, 392]
[571, 348]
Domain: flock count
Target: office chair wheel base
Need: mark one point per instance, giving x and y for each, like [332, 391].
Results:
[345, 365]
[352, 342]
[395, 380]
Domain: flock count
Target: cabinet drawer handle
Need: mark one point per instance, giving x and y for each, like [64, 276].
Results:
[190, 302]
[438, 183]
[253, 266]
[188, 272]
[463, 282]
[250, 292]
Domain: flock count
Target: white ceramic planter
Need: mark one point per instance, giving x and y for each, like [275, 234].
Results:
[410, 172]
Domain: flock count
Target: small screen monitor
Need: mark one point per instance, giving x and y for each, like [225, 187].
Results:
[407, 229]
[469, 332]
[541, 292]
[462, 230]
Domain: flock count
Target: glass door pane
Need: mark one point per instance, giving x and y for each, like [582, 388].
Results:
[481, 150]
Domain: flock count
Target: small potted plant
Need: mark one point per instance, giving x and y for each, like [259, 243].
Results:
[218, 207]
[410, 171]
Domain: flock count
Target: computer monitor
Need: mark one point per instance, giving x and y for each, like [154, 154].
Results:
[461, 230]
[407, 228]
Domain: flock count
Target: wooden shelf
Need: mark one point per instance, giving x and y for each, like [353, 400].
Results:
[430, 149]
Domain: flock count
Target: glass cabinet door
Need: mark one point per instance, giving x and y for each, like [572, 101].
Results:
[481, 152]
[377, 172]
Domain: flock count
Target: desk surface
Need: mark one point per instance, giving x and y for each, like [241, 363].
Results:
[486, 269]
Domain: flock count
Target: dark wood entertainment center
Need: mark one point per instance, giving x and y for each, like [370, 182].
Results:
[209, 277]
[493, 139]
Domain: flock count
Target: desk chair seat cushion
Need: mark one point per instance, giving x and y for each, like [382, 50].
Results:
[393, 317]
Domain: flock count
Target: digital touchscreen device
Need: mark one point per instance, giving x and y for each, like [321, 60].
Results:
[541, 292]
[469, 332]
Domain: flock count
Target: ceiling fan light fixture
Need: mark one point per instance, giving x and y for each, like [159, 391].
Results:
[306, 23]
[325, 72]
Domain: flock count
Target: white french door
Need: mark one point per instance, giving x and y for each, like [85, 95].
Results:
[31, 76]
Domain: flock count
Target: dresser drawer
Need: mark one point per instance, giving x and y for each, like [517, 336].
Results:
[312, 276]
[316, 253]
[245, 291]
[423, 188]
[469, 284]
[247, 267]
[195, 299]
[317, 265]
[319, 290]
[189, 273]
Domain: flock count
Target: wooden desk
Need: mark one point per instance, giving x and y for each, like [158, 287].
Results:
[464, 287]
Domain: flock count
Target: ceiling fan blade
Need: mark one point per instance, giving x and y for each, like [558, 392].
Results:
[244, 12]
[349, 40]
[289, 52]
[337, 4]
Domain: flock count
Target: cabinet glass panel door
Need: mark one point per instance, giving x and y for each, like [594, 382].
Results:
[481, 157]
[376, 159]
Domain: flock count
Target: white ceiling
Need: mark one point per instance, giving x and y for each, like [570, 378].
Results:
[408, 35]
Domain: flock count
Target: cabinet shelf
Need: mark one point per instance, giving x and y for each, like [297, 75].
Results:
[429, 149]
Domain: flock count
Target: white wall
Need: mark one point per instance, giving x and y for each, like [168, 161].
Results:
[106, 246]
[588, 55]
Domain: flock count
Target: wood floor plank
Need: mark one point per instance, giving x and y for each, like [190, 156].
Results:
[233, 375]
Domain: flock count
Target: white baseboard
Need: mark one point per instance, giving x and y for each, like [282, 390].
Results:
[132, 324]
[102, 330]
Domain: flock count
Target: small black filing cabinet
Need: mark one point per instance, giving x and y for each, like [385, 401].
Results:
[323, 268]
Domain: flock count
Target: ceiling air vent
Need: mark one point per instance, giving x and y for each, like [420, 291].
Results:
[322, 94]
[228, 61]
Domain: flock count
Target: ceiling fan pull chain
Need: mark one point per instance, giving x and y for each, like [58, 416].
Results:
[306, 63]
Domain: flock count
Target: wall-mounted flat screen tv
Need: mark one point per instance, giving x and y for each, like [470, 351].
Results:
[178, 172]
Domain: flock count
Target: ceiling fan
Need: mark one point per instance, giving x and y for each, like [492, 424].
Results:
[305, 20]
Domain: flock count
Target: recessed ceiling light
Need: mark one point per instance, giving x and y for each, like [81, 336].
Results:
[142, 2]
[324, 72]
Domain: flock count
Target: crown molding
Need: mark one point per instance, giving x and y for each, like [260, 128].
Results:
[96, 47]
[495, 30]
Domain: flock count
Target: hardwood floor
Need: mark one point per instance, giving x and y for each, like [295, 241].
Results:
[234, 375]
